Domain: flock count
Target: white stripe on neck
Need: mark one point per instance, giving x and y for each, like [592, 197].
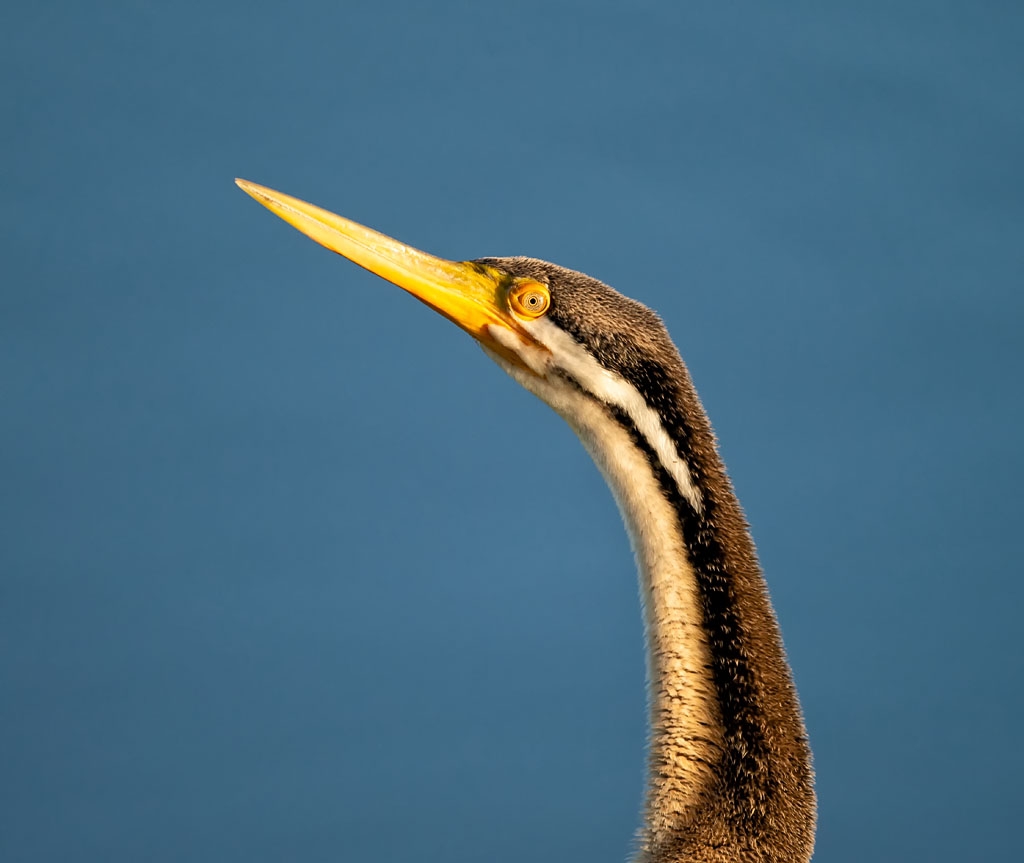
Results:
[685, 740]
[576, 361]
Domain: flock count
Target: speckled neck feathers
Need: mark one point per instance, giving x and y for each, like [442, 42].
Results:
[729, 764]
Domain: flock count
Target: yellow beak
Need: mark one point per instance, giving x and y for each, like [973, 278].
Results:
[471, 295]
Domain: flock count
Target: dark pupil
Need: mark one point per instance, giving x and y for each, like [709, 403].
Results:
[532, 299]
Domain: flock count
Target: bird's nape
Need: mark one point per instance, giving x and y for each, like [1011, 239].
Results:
[729, 765]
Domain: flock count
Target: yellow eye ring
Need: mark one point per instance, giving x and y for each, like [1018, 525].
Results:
[529, 299]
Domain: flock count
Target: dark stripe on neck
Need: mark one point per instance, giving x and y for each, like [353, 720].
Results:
[745, 749]
[746, 754]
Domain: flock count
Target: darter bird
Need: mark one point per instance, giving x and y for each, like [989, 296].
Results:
[729, 766]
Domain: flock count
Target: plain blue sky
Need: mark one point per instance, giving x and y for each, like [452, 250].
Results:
[264, 589]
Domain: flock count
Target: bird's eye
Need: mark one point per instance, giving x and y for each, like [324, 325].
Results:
[529, 299]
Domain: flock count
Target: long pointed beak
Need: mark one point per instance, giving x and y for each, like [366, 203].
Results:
[471, 295]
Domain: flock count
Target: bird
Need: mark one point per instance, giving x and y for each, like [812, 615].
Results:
[729, 772]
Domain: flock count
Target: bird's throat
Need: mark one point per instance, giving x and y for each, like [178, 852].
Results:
[685, 738]
[685, 724]
[729, 766]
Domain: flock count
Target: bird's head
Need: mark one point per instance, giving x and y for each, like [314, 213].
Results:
[551, 328]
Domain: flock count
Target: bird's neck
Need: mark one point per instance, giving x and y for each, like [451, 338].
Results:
[729, 766]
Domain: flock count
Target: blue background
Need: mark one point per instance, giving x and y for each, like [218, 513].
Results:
[290, 571]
